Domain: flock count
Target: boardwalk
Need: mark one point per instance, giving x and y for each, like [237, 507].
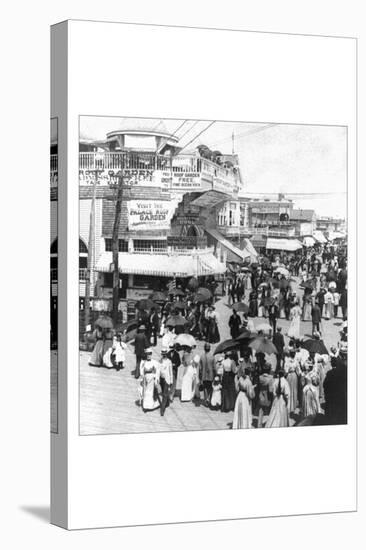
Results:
[109, 399]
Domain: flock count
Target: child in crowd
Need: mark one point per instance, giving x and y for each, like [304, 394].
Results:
[118, 351]
[216, 393]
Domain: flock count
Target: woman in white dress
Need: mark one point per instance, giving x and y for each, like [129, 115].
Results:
[328, 305]
[189, 380]
[119, 352]
[278, 417]
[295, 315]
[150, 375]
[243, 404]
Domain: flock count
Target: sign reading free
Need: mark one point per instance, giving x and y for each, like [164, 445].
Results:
[178, 179]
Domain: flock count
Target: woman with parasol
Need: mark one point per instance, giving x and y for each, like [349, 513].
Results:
[243, 404]
[103, 333]
[278, 417]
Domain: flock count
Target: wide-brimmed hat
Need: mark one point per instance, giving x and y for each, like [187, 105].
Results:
[141, 327]
[164, 351]
[148, 350]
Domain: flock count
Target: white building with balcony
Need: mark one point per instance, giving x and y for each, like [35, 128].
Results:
[169, 203]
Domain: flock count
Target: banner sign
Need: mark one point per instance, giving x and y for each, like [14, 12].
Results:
[131, 177]
[150, 214]
[224, 185]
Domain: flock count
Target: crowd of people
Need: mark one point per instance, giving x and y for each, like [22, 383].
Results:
[307, 384]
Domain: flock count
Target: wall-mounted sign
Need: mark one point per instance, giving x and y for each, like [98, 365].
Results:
[131, 177]
[224, 185]
[150, 214]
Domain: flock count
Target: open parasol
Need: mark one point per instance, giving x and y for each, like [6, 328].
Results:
[261, 344]
[158, 296]
[176, 321]
[193, 283]
[185, 340]
[226, 345]
[240, 306]
[176, 292]
[202, 291]
[314, 346]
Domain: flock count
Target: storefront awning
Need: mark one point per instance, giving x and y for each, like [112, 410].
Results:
[163, 265]
[332, 235]
[210, 199]
[234, 253]
[289, 245]
[319, 237]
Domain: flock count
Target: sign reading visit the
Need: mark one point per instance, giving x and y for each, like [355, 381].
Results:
[150, 214]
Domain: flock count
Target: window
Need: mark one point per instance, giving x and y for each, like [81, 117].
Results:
[82, 247]
[149, 245]
[142, 281]
[122, 245]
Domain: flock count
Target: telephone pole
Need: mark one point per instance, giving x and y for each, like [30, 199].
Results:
[115, 246]
[90, 260]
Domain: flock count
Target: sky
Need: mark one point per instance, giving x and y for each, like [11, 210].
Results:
[274, 158]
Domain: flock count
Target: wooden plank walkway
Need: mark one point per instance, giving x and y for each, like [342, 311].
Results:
[109, 399]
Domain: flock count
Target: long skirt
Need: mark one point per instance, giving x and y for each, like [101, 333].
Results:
[96, 357]
[149, 400]
[228, 392]
[242, 412]
[188, 385]
[292, 382]
[306, 314]
[310, 400]
[328, 310]
[253, 308]
[294, 329]
[278, 417]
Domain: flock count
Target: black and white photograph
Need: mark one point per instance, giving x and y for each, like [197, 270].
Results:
[212, 275]
[54, 273]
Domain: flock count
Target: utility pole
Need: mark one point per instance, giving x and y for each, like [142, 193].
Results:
[115, 246]
[90, 260]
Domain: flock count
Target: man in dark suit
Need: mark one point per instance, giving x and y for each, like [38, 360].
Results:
[316, 318]
[320, 299]
[141, 344]
[155, 326]
[273, 312]
[279, 343]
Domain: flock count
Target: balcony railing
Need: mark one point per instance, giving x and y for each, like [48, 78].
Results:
[113, 162]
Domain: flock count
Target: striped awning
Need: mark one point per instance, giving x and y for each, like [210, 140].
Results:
[162, 265]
